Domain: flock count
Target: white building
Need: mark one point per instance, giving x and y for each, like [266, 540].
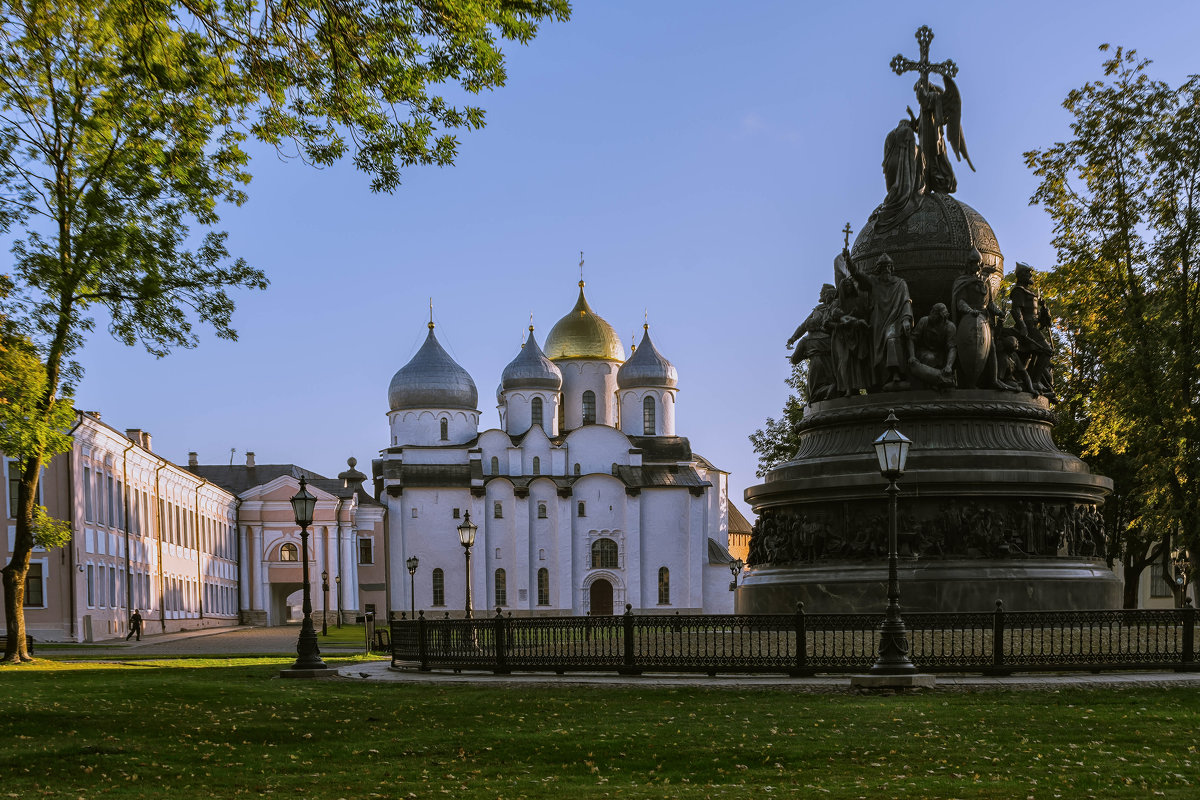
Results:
[585, 498]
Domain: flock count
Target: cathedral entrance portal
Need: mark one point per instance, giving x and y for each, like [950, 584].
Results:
[601, 598]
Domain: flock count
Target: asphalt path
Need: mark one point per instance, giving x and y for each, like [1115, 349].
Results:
[242, 640]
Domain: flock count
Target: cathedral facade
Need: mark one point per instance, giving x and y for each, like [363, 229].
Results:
[585, 498]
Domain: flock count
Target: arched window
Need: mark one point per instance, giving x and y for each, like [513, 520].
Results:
[501, 589]
[445, 429]
[543, 587]
[497, 510]
[604, 554]
[576, 469]
[541, 510]
[288, 552]
[535, 412]
[648, 427]
[582, 508]
[495, 465]
[664, 586]
[537, 466]
[562, 415]
[439, 587]
[589, 407]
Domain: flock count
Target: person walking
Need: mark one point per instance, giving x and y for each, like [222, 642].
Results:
[135, 625]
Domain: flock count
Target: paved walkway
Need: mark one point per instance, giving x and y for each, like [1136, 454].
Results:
[821, 684]
[244, 639]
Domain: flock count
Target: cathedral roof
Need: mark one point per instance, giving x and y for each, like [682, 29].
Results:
[432, 379]
[583, 334]
[647, 367]
[531, 369]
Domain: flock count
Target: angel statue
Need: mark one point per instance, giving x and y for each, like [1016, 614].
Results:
[941, 108]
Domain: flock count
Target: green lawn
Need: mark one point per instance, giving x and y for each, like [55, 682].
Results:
[220, 728]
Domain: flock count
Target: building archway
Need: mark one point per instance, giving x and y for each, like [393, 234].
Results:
[600, 597]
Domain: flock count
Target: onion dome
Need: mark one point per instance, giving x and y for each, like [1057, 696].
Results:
[583, 334]
[531, 369]
[647, 367]
[432, 379]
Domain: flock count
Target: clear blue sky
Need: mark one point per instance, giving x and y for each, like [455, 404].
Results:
[703, 155]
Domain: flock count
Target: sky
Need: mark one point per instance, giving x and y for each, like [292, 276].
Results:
[704, 156]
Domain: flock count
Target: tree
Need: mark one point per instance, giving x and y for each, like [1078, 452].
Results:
[1124, 194]
[779, 439]
[122, 124]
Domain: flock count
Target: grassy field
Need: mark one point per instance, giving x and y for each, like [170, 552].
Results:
[208, 728]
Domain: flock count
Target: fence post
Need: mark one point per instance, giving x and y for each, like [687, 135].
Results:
[1189, 634]
[627, 666]
[422, 643]
[801, 641]
[501, 637]
[998, 636]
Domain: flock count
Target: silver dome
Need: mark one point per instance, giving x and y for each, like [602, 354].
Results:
[647, 367]
[432, 379]
[531, 369]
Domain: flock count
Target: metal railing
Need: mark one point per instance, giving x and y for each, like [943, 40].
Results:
[997, 642]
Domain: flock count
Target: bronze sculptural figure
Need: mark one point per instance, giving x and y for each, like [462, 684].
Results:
[904, 176]
[814, 346]
[975, 314]
[1032, 325]
[891, 319]
[935, 349]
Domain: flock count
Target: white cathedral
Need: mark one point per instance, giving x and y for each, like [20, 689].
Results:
[585, 498]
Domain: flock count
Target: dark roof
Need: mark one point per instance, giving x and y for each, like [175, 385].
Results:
[432, 474]
[663, 448]
[652, 476]
[239, 478]
[717, 553]
[737, 521]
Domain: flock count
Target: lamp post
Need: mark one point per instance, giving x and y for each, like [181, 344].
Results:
[307, 652]
[735, 567]
[891, 448]
[337, 581]
[466, 536]
[412, 563]
[324, 602]
[1181, 560]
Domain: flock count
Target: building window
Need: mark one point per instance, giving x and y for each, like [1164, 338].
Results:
[535, 412]
[457, 513]
[648, 427]
[445, 429]
[366, 551]
[288, 552]
[582, 507]
[91, 586]
[664, 586]
[537, 466]
[495, 465]
[1159, 587]
[497, 553]
[497, 510]
[439, 588]
[562, 416]
[501, 588]
[589, 407]
[541, 510]
[543, 587]
[87, 497]
[604, 554]
[110, 520]
[414, 513]
[542, 554]
[576, 469]
[35, 595]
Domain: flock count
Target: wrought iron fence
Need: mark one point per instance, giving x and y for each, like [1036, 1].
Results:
[800, 643]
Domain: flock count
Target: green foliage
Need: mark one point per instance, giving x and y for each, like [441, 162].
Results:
[211, 729]
[778, 439]
[1124, 194]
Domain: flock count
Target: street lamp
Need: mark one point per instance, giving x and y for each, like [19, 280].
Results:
[891, 448]
[1181, 560]
[735, 567]
[324, 602]
[412, 563]
[307, 652]
[466, 536]
[337, 582]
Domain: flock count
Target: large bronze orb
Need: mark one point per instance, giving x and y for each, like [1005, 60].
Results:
[930, 248]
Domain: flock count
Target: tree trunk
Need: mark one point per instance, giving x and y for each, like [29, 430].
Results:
[17, 568]
[1131, 571]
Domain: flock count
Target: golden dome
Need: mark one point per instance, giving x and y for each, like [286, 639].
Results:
[583, 334]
